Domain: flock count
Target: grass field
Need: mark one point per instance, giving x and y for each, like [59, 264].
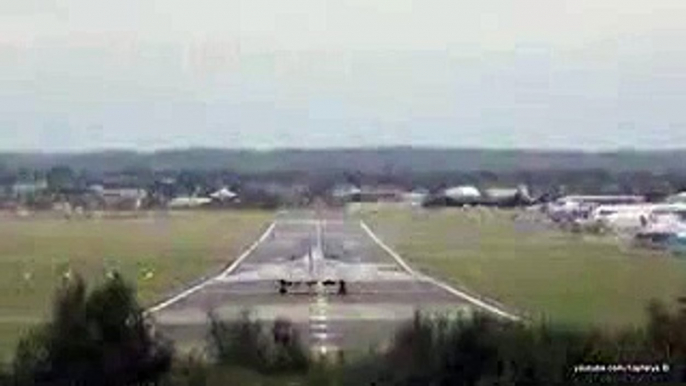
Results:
[545, 273]
[175, 248]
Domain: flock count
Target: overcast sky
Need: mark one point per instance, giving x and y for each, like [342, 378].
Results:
[149, 74]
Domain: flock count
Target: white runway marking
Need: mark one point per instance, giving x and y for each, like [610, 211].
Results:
[319, 326]
[320, 335]
[225, 273]
[319, 318]
[420, 276]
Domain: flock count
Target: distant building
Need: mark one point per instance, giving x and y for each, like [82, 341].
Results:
[120, 198]
[382, 193]
[272, 193]
[603, 199]
[189, 202]
[679, 198]
[345, 192]
[500, 193]
[369, 193]
[26, 188]
[415, 197]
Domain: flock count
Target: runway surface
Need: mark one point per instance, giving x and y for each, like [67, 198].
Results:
[381, 293]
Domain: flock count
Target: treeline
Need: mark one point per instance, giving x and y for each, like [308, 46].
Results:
[101, 337]
[188, 181]
[366, 160]
[318, 171]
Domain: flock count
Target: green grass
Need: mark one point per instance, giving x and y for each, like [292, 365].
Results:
[547, 274]
[177, 248]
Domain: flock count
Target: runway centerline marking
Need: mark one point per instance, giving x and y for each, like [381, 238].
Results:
[319, 327]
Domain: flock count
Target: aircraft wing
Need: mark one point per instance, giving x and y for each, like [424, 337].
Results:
[296, 270]
[362, 272]
[318, 269]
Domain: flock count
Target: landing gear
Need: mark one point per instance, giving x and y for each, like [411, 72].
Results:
[284, 284]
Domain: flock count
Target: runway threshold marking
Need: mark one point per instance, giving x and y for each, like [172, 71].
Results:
[420, 276]
[166, 303]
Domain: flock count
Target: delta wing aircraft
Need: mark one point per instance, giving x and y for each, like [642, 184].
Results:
[317, 268]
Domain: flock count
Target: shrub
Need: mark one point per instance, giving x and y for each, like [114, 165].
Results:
[487, 351]
[248, 343]
[97, 338]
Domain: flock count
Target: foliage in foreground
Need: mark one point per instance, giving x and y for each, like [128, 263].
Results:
[96, 338]
[246, 352]
[485, 351]
[101, 338]
[477, 351]
[248, 343]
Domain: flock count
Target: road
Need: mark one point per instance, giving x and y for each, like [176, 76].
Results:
[377, 303]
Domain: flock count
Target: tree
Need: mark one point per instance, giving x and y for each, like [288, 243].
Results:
[97, 338]
[247, 343]
[60, 177]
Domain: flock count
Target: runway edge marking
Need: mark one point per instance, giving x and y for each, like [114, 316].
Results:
[226, 272]
[438, 283]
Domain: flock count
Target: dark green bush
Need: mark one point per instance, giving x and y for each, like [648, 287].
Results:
[486, 351]
[248, 343]
[102, 338]
[99, 338]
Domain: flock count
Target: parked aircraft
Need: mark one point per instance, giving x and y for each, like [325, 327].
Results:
[634, 217]
[574, 207]
[667, 231]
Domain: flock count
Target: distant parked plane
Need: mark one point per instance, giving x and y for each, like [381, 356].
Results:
[573, 207]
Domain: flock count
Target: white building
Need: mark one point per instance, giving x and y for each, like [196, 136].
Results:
[679, 198]
[189, 202]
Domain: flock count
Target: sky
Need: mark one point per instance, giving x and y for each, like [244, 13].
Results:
[150, 74]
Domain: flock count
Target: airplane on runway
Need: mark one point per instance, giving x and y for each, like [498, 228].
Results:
[313, 269]
[329, 270]
[334, 268]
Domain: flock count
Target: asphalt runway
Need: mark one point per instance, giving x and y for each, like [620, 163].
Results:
[381, 294]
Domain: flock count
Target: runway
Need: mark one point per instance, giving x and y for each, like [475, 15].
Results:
[382, 294]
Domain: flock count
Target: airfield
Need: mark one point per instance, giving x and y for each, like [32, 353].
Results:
[450, 262]
[383, 292]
